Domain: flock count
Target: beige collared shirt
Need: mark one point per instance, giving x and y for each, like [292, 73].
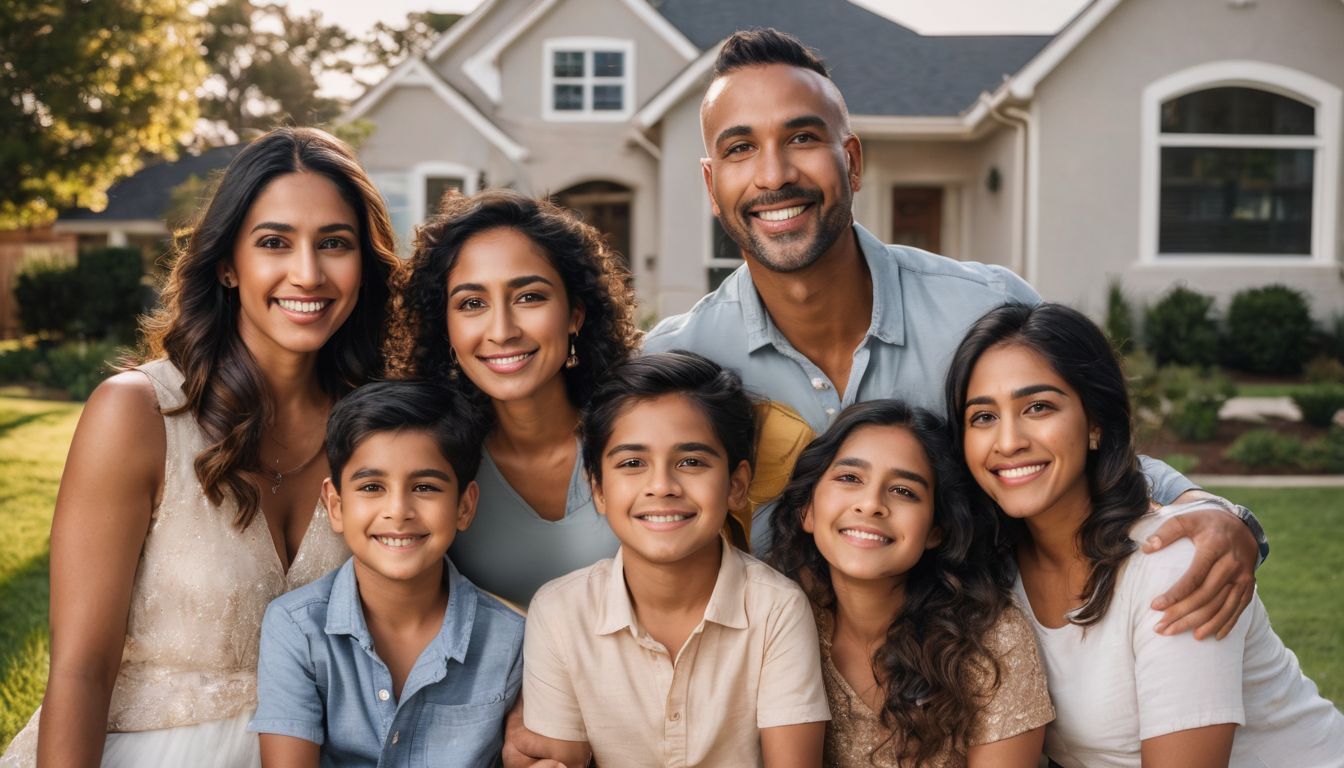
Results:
[591, 673]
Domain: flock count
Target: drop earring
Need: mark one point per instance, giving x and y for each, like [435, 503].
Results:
[1093, 441]
[573, 360]
[452, 364]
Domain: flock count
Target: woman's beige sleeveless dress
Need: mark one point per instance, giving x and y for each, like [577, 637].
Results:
[187, 684]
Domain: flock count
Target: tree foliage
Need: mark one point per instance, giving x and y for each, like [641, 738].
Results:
[87, 89]
[266, 65]
[386, 46]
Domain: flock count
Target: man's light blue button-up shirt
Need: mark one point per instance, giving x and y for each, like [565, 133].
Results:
[320, 678]
[923, 304]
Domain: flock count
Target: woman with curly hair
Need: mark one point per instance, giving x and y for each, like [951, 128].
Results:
[524, 307]
[926, 662]
[1041, 414]
[190, 495]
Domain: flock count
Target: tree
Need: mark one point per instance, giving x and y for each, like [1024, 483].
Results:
[87, 89]
[387, 46]
[266, 65]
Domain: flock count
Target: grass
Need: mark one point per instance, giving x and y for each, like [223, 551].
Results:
[1302, 583]
[34, 436]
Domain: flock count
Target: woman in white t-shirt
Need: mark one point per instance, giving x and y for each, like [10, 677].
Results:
[1039, 406]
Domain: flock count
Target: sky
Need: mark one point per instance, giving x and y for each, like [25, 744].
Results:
[930, 17]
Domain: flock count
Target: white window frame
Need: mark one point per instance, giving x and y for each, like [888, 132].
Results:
[588, 45]
[1317, 93]
[423, 172]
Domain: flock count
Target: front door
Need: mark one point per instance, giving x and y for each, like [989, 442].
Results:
[917, 217]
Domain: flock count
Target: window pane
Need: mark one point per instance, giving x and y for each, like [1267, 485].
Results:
[724, 247]
[716, 276]
[1236, 200]
[567, 64]
[1238, 110]
[607, 97]
[608, 64]
[568, 97]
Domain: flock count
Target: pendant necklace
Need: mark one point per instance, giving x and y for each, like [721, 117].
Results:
[280, 476]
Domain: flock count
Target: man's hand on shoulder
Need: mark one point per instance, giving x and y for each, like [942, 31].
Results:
[1210, 596]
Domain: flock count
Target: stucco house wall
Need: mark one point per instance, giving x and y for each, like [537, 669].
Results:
[1090, 145]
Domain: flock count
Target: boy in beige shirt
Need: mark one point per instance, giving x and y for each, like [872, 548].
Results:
[681, 650]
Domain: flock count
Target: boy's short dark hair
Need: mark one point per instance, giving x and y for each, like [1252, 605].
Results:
[715, 391]
[389, 406]
[766, 45]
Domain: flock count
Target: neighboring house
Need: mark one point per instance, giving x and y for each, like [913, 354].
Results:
[135, 216]
[138, 205]
[1149, 141]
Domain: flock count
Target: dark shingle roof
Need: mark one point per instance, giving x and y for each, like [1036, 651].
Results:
[882, 67]
[147, 194]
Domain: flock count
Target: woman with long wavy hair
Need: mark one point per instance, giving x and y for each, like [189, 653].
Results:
[926, 661]
[190, 495]
[524, 307]
[1041, 415]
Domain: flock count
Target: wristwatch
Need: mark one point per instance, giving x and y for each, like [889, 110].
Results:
[1247, 517]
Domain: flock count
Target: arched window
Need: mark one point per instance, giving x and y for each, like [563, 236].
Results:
[1239, 165]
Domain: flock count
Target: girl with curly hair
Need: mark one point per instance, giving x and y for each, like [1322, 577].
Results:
[524, 307]
[925, 660]
[190, 495]
[1041, 415]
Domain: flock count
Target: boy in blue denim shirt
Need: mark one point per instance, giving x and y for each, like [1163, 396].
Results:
[394, 658]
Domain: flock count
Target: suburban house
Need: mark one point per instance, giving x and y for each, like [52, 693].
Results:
[1149, 141]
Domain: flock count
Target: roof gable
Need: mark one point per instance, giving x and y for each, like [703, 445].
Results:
[882, 67]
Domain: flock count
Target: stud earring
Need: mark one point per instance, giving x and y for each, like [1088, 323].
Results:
[573, 360]
[227, 281]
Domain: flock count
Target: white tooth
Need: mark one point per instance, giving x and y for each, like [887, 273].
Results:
[1020, 471]
[781, 214]
[664, 518]
[864, 535]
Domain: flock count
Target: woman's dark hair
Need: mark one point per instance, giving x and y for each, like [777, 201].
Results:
[392, 406]
[717, 392]
[934, 665]
[593, 275]
[196, 326]
[1078, 351]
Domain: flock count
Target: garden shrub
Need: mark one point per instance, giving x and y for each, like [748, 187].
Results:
[1178, 329]
[1319, 403]
[1194, 396]
[99, 296]
[1185, 463]
[1324, 370]
[1119, 319]
[1265, 449]
[16, 364]
[76, 367]
[1326, 454]
[1269, 330]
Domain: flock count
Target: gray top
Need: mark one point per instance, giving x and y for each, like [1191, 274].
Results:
[511, 551]
[923, 304]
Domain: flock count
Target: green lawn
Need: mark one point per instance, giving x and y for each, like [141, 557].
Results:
[1303, 582]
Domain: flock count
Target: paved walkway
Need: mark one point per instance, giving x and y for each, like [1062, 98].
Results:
[1260, 409]
[1271, 481]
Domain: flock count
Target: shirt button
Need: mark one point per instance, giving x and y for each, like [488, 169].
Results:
[396, 736]
[819, 383]
[383, 695]
[830, 411]
[675, 716]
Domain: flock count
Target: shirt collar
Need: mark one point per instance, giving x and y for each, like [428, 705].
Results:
[888, 320]
[345, 613]
[726, 606]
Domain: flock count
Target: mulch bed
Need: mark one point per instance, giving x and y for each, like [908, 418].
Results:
[1210, 454]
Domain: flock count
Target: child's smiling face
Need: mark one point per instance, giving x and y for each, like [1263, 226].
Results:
[400, 505]
[871, 512]
[666, 481]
